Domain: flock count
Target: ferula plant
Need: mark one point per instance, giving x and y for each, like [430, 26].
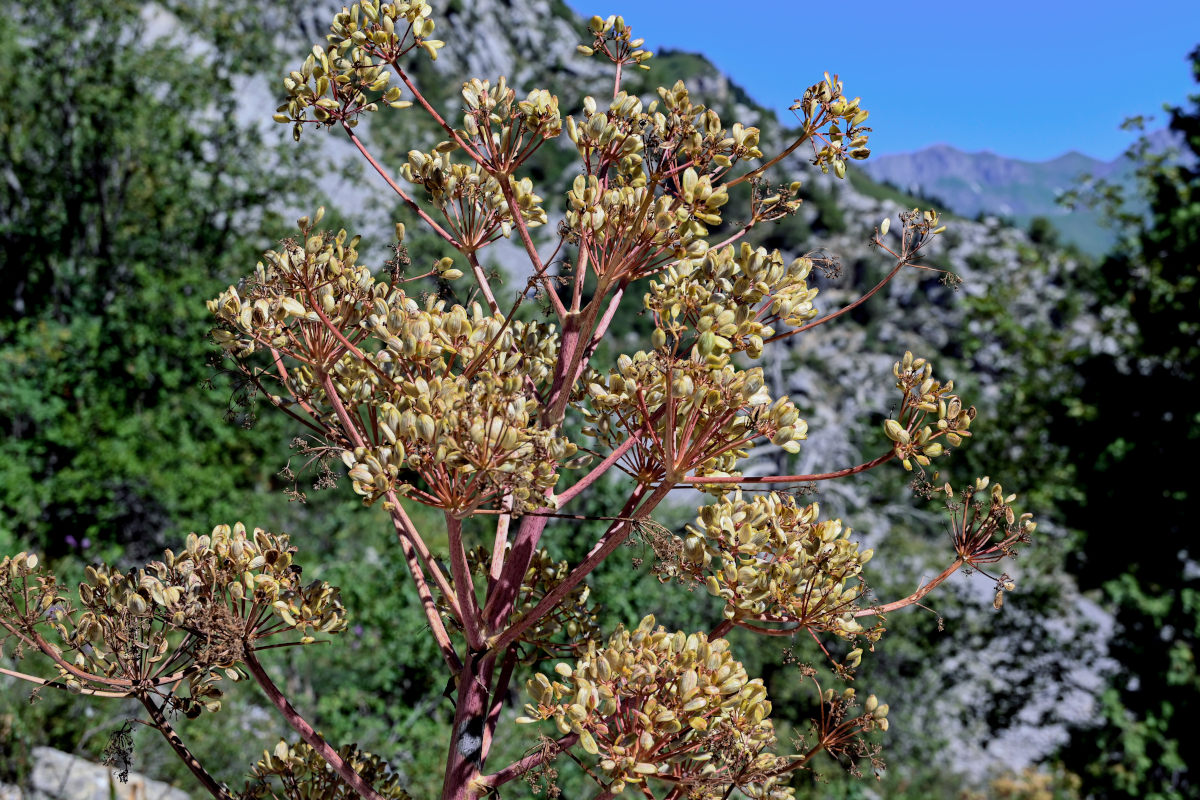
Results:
[491, 410]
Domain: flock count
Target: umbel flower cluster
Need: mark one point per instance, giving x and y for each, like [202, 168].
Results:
[479, 406]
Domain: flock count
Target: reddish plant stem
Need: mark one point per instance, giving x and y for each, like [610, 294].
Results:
[614, 538]
[568, 353]
[12, 673]
[464, 587]
[406, 530]
[500, 543]
[481, 279]
[605, 321]
[581, 269]
[410, 540]
[764, 631]
[539, 268]
[465, 759]
[573, 359]
[197, 769]
[395, 187]
[504, 591]
[900, 264]
[432, 112]
[306, 731]
[600, 469]
[503, 595]
[428, 604]
[822, 476]
[724, 627]
[519, 768]
[799, 761]
[913, 598]
[349, 424]
[499, 692]
[804, 137]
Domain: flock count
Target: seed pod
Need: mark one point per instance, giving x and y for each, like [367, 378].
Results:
[896, 432]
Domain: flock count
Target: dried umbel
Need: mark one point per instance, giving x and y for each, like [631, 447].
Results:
[774, 561]
[451, 392]
[926, 398]
[298, 772]
[986, 530]
[699, 413]
[470, 199]
[729, 299]
[337, 82]
[189, 620]
[652, 703]
[504, 131]
[615, 40]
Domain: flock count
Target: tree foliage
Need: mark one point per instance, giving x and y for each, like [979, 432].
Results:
[497, 421]
[1151, 291]
[129, 191]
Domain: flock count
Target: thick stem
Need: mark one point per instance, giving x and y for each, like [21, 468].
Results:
[500, 543]
[569, 352]
[465, 760]
[724, 627]
[306, 731]
[499, 691]
[464, 587]
[503, 594]
[481, 279]
[428, 603]
[405, 529]
[615, 537]
[573, 353]
[217, 790]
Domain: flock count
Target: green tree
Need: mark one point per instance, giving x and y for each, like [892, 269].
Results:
[467, 411]
[1131, 430]
[129, 190]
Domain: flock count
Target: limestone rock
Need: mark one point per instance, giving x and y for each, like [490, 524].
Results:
[62, 776]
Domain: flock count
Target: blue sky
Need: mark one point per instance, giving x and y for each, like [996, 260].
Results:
[1028, 80]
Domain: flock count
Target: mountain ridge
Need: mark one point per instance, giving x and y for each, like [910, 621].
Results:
[982, 182]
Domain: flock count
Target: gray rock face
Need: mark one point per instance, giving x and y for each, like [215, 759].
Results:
[62, 776]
